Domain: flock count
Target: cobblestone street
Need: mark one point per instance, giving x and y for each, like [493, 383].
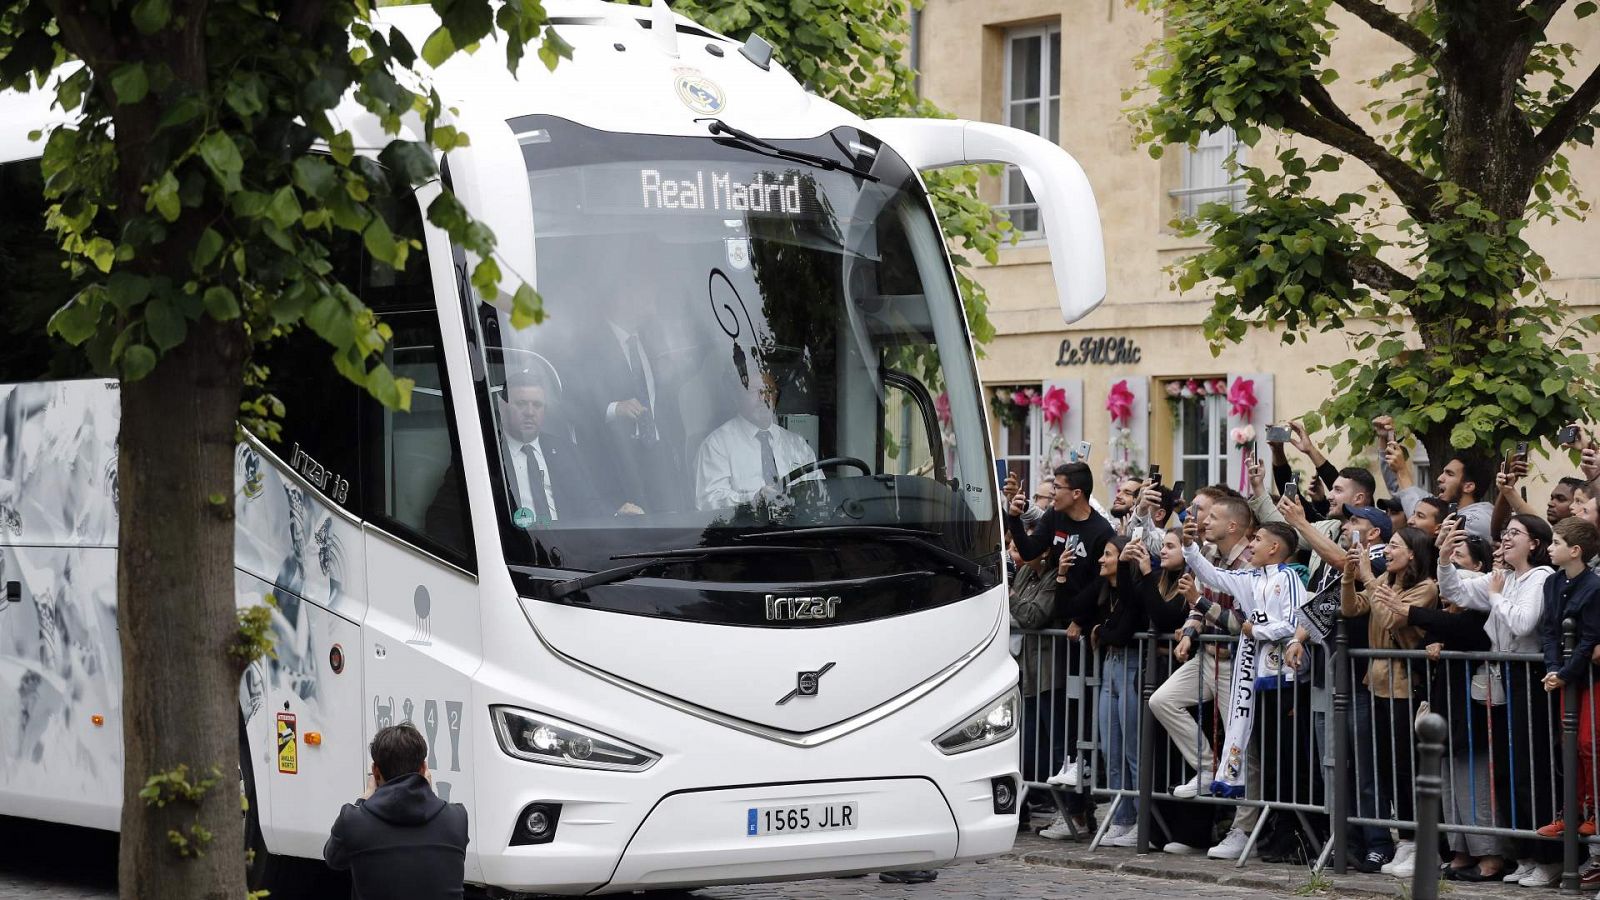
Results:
[998, 879]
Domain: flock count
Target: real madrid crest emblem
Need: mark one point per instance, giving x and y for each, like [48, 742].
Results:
[252, 474]
[700, 93]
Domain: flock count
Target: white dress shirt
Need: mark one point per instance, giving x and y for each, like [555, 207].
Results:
[519, 468]
[728, 466]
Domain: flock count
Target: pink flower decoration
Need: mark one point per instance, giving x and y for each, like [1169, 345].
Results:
[1020, 399]
[942, 404]
[1174, 389]
[1242, 398]
[1194, 387]
[1243, 436]
[1119, 402]
[1055, 406]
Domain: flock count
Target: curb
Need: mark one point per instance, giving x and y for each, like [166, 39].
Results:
[1154, 866]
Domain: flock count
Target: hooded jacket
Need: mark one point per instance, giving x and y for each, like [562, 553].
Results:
[402, 843]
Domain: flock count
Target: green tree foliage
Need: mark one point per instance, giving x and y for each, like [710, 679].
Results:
[202, 231]
[1426, 270]
[854, 53]
[231, 177]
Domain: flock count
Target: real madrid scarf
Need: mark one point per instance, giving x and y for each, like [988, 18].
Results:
[1258, 665]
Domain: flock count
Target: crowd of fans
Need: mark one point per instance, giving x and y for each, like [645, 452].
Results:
[1244, 590]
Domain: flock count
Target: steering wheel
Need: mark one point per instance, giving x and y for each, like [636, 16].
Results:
[816, 464]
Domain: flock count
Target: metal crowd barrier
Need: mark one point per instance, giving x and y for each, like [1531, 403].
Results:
[1337, 748]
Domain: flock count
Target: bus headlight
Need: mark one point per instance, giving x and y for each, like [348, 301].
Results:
[537, 737]
[993, 723]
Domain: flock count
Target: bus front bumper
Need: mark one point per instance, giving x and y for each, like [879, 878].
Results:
[699, 838]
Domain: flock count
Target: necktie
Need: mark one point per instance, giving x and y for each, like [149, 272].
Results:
[646, 425]
[641, 387]
[541, 506]
[769, 463]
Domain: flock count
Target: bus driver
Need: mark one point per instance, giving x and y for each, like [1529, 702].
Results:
[747, 455]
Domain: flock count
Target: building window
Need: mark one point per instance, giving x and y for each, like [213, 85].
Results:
[1208, 175]
[1201, 441]
[1033, 104]
[1021, 436]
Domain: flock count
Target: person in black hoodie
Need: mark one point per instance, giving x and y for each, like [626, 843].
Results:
[400, 842]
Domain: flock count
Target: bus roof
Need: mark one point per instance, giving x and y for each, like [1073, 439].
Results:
[622, 77]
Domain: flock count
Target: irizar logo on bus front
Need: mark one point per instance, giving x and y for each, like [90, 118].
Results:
[789, 609]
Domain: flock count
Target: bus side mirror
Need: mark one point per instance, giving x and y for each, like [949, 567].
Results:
[1066, 201]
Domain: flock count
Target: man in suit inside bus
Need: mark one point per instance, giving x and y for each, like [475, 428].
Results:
[747, 456]
[548, 481]
[627, 408]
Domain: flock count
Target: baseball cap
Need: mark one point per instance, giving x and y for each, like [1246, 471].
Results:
[1374, 515]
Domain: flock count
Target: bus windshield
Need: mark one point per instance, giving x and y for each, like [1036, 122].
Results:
[746, 342]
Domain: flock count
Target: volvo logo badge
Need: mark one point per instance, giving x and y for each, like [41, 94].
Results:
[789, 609]
[806, 684]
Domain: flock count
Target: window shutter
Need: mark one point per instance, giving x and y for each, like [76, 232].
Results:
[1259, 419]
[1134, 449]
[1057, 441]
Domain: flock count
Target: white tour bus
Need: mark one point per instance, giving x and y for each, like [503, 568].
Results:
[698, 582]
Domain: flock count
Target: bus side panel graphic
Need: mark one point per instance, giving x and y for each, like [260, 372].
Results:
[289, 536]
[60, 684]
[60, 663]
[61, 753]
[58, 463]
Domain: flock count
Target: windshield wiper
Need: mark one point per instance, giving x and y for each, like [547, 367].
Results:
[720, 128]
[970, 572]
[561, 590]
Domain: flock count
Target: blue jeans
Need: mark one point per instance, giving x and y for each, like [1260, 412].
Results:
[1119, 726]
[1364, 745]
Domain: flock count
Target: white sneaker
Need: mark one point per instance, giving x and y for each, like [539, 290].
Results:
[1403, 851]
[1057, 830]
[1120, 836]
[1405, 868]
[1188, 789]
[1523, 870]
[1177, 849]
[1232, 845]
[1543, 875]
[1067, 777]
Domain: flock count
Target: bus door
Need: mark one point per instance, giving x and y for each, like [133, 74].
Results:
[422, 636]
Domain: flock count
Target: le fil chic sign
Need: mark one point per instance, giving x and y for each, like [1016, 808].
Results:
[1098, 351]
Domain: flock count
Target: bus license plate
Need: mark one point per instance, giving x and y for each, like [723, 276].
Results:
[766, 820]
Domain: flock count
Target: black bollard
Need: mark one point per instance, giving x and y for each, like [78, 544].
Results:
[1147, 746]
[1431, 733]
[1340, 813]
[1573, 814]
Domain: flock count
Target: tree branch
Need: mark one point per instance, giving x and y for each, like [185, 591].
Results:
[1379, 275]
[305, 15]
[85, 35]
[1540, 12]
[1329, 124]
[1381, 18]
[1561, 125]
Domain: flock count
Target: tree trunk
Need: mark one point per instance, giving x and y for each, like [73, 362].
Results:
[175, 609]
